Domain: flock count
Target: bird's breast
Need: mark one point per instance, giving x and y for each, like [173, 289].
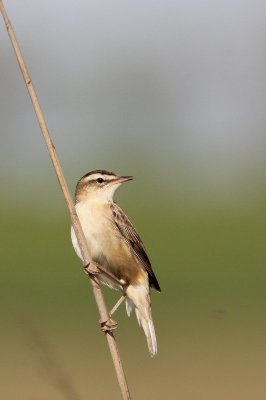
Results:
[94, 222]
[105, 243]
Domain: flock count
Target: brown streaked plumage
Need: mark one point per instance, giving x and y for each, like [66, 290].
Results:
[129, 233]
[114, 243]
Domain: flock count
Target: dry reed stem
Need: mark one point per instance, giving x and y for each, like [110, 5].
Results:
[73, 215]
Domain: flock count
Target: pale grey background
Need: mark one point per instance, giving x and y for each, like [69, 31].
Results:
[172, 88]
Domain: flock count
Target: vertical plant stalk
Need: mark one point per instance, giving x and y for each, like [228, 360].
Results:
[68, 199]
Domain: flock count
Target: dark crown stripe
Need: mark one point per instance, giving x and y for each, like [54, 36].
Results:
[98, 171]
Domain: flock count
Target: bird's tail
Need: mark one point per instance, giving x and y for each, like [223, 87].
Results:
[138, 297]
[147, 324]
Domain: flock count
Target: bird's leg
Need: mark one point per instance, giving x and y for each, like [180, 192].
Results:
[93, 268]
[117, 305]
[110, 324]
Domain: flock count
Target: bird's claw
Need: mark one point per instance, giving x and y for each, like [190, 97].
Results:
[109, 325]
[91, 269]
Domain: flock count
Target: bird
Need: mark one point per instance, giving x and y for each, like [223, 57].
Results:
[114, 244]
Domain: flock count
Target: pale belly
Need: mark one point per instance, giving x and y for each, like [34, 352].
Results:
[107, 247]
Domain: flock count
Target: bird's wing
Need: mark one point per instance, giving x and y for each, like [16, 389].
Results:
[129, 233]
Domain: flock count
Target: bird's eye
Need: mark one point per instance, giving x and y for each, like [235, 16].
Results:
[100, 180]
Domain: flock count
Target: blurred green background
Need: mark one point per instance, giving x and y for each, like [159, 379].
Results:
[174, 94]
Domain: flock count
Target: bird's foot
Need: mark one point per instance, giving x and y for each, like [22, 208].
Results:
[109, 325]
[91, 268]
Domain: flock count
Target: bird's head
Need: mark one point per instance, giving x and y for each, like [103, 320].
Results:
[99, 184]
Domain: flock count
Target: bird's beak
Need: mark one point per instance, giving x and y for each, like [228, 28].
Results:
[122, 179]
